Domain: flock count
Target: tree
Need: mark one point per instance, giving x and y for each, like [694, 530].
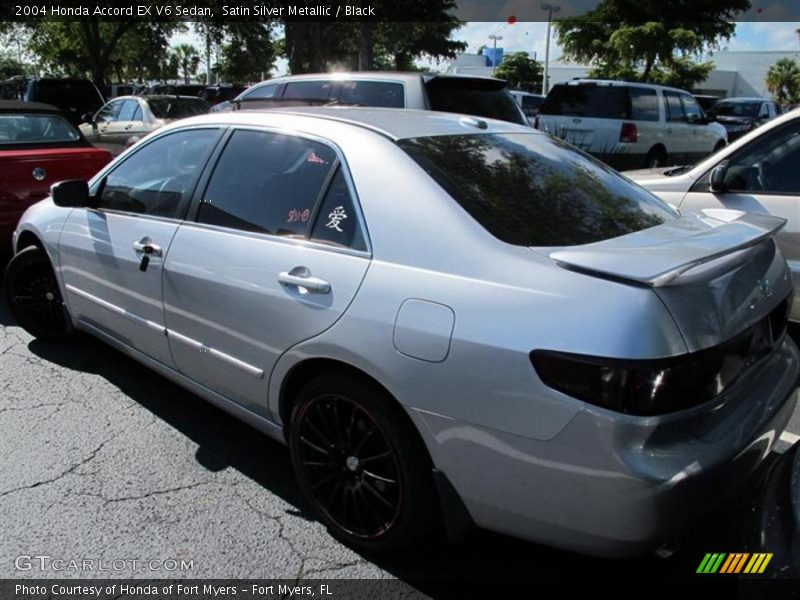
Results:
[783, 81]
[247, 54]
[188, 59]
[623, 39]
[96, 48]
[521, 71]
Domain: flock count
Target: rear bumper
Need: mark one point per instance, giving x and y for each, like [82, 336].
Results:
[615, 485]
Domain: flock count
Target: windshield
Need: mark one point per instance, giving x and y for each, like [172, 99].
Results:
[735, 109]
[36, 129]
[178, 108]
[534, 190]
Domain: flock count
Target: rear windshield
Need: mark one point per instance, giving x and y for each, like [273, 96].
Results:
[735, 109]
[534, 190]
[178, 108]
[67, 92]
[482, 98]
[601, 102]
[36, 129]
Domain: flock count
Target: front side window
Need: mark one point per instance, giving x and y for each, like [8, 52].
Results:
[267, 183]
[109, 113]
[158, 177]
[534, 190]
[769, 164]
[265, 91]
[694, 114]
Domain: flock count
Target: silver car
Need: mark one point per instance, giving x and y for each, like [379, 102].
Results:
[444, 317]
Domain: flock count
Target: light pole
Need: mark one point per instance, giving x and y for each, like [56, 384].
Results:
[494, 38]
[550, 8]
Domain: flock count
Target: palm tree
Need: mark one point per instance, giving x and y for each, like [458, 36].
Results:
[188, 59]
[783, 81]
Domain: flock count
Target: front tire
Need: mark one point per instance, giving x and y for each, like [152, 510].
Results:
[34, 297]
[361, 465]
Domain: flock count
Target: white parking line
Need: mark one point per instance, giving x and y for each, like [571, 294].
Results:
[789, 438]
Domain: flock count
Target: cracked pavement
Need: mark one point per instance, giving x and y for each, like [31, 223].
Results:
[104, 459]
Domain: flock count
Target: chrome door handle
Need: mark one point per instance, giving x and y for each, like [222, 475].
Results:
[147, 247]
[300, 277]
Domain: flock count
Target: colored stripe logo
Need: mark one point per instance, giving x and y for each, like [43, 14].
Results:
[736, 562]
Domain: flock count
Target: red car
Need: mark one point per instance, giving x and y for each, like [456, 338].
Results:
[38, 147]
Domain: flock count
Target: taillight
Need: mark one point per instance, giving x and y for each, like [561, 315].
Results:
[660, 386]
[628, 133]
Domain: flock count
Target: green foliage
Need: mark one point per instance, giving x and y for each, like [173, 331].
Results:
[521, 71]
[248, 53]
[10, 66]
[783, 81]
[188, 59]
[627, 39]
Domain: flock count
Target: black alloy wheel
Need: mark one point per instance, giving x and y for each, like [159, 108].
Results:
[34, 297]
[360, 465]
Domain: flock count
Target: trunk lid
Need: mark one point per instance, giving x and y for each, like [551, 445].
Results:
[718, 273]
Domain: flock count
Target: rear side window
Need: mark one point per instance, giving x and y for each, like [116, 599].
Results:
[644, 104]
[178, 108]
[534, 190]
[337, 220]
[482, 98]
[128, 110]
[267, 183]
[587, 100]
[308, 90]
[372, 93]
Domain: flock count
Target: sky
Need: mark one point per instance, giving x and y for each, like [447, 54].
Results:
[530, 37]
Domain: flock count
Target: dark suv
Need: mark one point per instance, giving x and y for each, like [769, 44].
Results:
[75, 97]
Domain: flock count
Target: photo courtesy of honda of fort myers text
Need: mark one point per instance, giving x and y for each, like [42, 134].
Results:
[398, 299]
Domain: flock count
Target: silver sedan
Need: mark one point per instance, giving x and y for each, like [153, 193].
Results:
[447, 319]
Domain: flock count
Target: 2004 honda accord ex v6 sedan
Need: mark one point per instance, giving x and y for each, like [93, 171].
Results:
[444, 317]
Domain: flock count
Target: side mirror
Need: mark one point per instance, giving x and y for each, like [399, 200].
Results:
[717, 178]
[73, 193]
[88, 118]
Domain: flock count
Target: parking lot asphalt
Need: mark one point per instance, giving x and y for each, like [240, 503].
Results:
[103, 459]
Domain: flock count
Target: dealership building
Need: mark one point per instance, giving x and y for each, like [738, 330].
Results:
[735, 73]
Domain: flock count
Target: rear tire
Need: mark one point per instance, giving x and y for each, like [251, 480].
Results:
[656, 158]
[361, 465]
[34, 297]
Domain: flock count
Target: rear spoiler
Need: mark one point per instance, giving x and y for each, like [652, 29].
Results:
[658, 265]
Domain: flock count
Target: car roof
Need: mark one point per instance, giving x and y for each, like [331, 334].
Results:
[615, 83]
[19, 106]
[742, 100]
[372, 75]
[394, 123]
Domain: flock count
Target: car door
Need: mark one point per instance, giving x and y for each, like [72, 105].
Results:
[112, 255]
[763, 176]
[122, 128]
[701, 140]
[97, 131]
[275, 255]
[677, 134]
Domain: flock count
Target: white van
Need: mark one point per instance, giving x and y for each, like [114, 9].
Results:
[630, 125]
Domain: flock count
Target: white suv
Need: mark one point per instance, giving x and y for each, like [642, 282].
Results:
[630, 125]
